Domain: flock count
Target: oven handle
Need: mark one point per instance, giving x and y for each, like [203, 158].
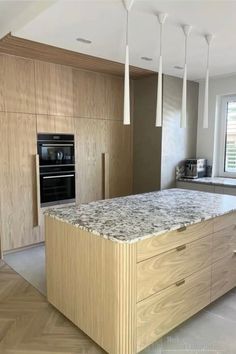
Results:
[58, 145]
[60, 176]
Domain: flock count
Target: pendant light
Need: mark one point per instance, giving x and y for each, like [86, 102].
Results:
[187, 29]
[161, 19]
[208, 39]
[126, 116]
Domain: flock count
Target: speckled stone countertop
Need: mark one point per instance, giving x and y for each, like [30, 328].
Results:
[136, 217]
[217, 181]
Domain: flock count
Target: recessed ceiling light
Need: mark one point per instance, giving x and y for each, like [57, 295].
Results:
[146, 58]
[83, 40]
[178, 67]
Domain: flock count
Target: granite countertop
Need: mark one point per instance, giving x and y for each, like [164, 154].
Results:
[136, 217]
[219, 181]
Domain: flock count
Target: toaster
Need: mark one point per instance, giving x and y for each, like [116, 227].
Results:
[195, 168]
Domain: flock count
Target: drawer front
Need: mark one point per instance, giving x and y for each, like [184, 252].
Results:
[223, 276]
[224, 243]
[224, 221]
[158, 244]
[165, 310]
[166, 269]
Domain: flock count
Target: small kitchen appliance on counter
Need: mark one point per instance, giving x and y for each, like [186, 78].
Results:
[195, 168]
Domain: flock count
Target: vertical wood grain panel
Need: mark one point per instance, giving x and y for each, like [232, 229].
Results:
[17, 86]
[92, 281]
[54, 89]
[17, 176]
[119, 146]
[55, 124]
[97, 95]
[90, 144]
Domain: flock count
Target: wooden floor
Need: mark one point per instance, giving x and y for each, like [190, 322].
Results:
[30, 325]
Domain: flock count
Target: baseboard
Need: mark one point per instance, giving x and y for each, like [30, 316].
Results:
[19, 249]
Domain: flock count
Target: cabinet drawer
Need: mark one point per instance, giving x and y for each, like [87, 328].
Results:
[163, 311]
[224, 221]
[158, 244]
[161, 271]
[224, 243]
[223, 276]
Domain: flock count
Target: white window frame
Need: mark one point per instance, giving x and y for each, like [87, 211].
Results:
[222, 142]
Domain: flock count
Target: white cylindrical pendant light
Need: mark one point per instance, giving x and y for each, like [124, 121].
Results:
[126, 115]
[161, 18]
[205, 110]
[183, 122]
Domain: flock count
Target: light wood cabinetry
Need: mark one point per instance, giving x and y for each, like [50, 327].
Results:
[162, 312]
[48, 98]
[90, 144]
[223, 276]
[135, 297]
[17, 93]
[159, 272]
[97, 95]
[18, 181]
[204, 187]
[119, 146]
[58, 124]
[53, 89]
[156, 245]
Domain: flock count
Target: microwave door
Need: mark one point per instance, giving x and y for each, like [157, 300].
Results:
[56, 154]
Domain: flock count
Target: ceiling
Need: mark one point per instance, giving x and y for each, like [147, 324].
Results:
[59, 23]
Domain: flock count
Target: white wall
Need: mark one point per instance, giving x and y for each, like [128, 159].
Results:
[207, 139]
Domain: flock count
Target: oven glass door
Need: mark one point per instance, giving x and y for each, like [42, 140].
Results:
[56, 154]
[57, 187]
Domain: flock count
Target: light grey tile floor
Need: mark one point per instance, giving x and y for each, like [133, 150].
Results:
[30, 264]
[212, 331]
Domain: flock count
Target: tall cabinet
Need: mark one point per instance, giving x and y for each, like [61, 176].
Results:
[37, 97]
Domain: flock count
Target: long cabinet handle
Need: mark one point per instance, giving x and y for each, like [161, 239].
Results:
[57, 145]
[37, 203]
[60, 176]
[105, 176]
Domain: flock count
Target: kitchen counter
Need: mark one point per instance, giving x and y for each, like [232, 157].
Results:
[137, 217]
[217, 181]
[174, 254]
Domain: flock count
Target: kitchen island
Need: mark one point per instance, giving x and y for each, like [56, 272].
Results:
[128, 270]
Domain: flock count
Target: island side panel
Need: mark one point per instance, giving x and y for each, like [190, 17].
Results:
[92, 281]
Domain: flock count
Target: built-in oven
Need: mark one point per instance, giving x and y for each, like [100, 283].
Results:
[56, 149]
[56, 168]
[57, 184]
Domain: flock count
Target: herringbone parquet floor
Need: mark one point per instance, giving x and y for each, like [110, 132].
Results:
[30, 325]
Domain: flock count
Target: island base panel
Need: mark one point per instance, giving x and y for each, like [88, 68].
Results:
[92, 281]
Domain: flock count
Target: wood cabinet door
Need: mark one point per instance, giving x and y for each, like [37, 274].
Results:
[17, 89]
[53, 89]
[161, 312]
[90, 138]
[18, 204]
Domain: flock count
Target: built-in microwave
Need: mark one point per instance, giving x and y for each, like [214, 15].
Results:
[56, 149]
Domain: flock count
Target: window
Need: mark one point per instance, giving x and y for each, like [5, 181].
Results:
[228, 129]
